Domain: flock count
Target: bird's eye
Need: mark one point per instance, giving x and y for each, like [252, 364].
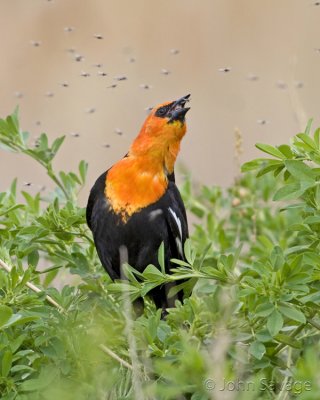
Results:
[161, 112]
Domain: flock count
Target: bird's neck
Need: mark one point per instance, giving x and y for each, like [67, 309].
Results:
[155, 154]
[141, 178]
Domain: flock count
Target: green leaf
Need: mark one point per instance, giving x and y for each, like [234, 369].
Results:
[314, 219]
[5, 314]
[264, 309]
[147, 286]
[269, 168]
[289, 192]
[274, 323]
[18, 319]
[301, 148]
[17, 342]
[161, 258]
[74, 177]
[315, 157]
[123, 288]
[288, 340]
[257, 163]
[13, 125]
[8, 210]
[250, 165]
[308, 127]
[185, 286]
[180, 262]
[33, 258]
[263, 336]
[6, 363]
[214, 273]
[153, 274]
[270, 150]
[83, 168]
[277, 258]
[19, 368]
[43, 141]
[317, 137]
[130, 273]
[300, 170]
[286, 150]
[47, 376]
[312, 297]
[307, 140]
[25, 136]
[257, 349]
[278, 170]
[292, 313]
[57, 144]
[189, 252]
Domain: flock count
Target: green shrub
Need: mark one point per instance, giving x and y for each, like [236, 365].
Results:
[248, 330]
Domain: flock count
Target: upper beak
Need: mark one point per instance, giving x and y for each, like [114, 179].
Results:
[179, 110]
[182, 101]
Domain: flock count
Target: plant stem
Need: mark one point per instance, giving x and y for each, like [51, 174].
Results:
[313, 323]
[283, 394]
[115, 356]
[34, 288]
[283, 345]
[53, 176]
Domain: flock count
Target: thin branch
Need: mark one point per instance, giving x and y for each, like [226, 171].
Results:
[82, 234]
[34, 288]
[283, 394]
[52, 175]
[127, 310]
[281, 346]
[115, 356]
[313, 323]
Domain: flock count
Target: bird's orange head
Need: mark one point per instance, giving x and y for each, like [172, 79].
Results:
[162, 131]
[141, 178]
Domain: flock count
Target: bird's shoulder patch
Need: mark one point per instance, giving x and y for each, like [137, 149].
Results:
[130, 187]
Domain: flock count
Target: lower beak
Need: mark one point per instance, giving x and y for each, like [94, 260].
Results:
[179, 114]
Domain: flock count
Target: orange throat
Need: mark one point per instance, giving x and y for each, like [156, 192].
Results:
[130, 186]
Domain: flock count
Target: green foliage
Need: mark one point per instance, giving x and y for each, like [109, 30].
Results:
[249, 323]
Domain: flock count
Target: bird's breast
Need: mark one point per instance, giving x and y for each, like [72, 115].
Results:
[130, 188]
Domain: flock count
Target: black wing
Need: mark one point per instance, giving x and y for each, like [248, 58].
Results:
[99, 220]
[95, 193]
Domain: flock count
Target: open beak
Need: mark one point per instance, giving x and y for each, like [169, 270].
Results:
[178, 109]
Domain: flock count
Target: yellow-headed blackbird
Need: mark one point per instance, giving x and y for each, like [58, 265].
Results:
[135, 205]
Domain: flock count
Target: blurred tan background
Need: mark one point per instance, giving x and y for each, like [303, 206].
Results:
[249, 64]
